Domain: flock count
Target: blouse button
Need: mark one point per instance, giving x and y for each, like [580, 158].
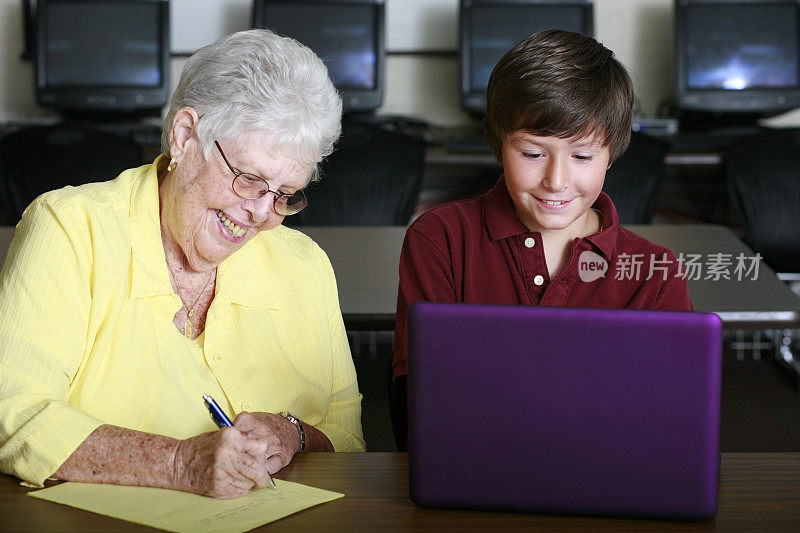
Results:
[218, 358]
[538, 280]
[245, 406]
[530, 242]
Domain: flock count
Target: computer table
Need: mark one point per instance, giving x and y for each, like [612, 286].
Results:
[758, 492]
[365, 260]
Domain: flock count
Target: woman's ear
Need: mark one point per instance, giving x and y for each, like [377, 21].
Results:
[180, 135]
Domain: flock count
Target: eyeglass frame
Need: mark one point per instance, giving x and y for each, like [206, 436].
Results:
[237, 173]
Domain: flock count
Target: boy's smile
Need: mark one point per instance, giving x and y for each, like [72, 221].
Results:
[553, 182]
[555, 205]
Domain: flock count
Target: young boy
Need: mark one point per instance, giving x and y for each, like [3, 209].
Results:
[558, 114]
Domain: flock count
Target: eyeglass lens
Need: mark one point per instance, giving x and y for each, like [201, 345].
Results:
[251, 187]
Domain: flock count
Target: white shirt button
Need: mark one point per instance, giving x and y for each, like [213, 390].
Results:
[530, 242]
[538, 280]
[245, 406]
[218, 358]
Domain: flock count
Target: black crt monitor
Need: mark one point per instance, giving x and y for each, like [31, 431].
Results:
[737, 57]
[97, 57]
[347, 34]
[490, 28]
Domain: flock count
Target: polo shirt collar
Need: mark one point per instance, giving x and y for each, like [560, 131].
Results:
[606, 238]
[502, 221]
[242, 280]
[149, 275]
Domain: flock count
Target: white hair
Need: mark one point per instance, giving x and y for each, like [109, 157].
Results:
[257, 80]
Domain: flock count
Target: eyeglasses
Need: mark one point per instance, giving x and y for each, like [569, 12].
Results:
[250, 187]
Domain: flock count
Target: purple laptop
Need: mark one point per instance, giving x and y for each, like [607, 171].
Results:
[566, 411]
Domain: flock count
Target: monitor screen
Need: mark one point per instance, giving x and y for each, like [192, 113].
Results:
[489, 29]
[346, 34]
[741, 47]
[102, 55]
[495, 29]
[111, 43]
[737, 57]
[342, 35]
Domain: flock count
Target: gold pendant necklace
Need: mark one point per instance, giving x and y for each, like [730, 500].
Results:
[188, 329]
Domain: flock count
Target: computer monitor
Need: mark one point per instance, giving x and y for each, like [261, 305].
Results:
[489, 28]
[102, 56]
[737, 57]
[347, 34]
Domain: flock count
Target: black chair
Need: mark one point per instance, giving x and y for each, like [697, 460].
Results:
[39, 159]
[635, 180]
[763, 178]
[373, 178]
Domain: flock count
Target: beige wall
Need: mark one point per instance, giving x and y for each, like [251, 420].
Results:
[16, 77]
[638, 31]
[426, 86]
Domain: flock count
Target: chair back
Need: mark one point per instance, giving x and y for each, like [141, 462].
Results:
[635, 180]
[373, 178]
[763, 178]
[40, 159]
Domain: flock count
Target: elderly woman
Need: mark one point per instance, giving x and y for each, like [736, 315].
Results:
[123, 302]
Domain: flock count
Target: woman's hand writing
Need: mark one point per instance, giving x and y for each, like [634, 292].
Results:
[278, 434]
[222, 464]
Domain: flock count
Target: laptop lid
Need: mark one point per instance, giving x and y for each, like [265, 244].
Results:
[564, 410]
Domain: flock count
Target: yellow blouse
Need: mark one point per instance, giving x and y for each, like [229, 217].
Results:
[86, 332]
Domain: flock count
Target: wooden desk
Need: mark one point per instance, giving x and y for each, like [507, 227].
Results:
[763, 303]
[758, 492]
[365, 260]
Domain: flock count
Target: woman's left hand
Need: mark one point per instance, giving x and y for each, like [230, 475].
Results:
[280, 435]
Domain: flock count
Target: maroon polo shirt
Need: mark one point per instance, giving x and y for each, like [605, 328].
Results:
[478, 251]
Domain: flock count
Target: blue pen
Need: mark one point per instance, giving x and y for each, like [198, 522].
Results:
[221, 420]
[217, 415]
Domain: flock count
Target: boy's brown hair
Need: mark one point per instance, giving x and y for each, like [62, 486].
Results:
[563, 84]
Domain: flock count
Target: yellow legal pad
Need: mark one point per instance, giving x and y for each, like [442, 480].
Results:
[180, 511]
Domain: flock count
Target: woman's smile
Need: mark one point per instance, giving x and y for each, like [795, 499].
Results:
[231, 230]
